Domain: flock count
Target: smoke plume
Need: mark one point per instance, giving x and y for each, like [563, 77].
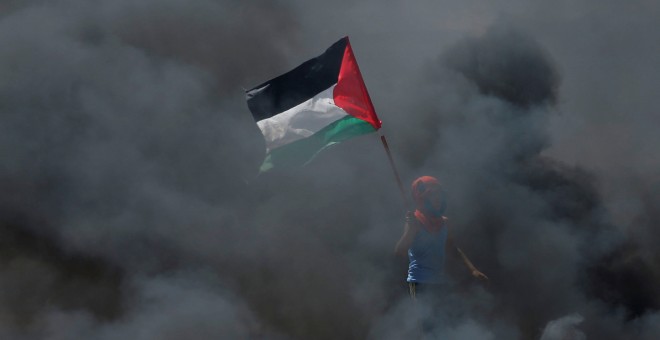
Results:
[130, 205]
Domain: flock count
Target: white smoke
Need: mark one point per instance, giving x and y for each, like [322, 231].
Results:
[564, 328]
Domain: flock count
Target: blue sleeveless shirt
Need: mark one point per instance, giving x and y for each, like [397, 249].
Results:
[426, 257]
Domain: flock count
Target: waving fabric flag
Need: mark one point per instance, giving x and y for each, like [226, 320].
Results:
[319, 103]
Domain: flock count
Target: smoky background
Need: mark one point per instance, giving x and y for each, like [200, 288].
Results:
[130, 206]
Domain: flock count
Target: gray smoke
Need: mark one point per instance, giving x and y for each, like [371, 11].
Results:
[564, 329]
[130, 205]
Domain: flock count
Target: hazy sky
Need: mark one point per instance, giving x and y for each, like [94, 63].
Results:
[130, 206]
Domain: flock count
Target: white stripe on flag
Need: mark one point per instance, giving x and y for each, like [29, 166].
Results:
[301, 121]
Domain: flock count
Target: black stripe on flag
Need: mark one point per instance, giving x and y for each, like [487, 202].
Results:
[298, 85]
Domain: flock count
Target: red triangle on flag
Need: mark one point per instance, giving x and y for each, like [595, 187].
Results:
[351, 94]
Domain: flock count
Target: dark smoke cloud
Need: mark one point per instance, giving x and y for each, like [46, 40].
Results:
[130, 208]
[112, 160]
[523, 77]
[540, 226]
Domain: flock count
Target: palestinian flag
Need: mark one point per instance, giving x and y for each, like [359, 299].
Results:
[319, 103]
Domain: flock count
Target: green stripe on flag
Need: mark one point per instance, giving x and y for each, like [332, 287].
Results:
[303, 151]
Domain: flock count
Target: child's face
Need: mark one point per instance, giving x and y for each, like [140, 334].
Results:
[436, 197]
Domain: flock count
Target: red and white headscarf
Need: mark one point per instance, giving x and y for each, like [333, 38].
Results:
[421, 187]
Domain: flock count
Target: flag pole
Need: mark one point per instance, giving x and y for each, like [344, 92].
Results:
[406, 202]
